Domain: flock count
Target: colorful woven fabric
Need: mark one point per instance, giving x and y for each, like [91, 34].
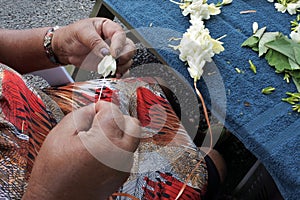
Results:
[164, 159]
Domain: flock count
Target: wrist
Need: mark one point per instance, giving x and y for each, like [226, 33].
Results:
[48, 45]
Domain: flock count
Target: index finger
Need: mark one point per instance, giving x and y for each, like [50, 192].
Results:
[117, 35]
[76, 121]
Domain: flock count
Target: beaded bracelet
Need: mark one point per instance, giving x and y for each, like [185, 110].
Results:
[48, 45]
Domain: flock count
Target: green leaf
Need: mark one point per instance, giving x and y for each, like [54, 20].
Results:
[294, 66]
[250, 42]
[295, 73]
[260, 32]
[255, 48]
[286, 47]
[254, 39]
[277, 60]
[297, 53]
[297, 83]
[267, 37]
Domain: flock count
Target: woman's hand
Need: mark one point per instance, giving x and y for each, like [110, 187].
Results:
[85, 42]
[82, 156]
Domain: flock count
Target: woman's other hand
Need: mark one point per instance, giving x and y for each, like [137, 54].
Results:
[88, 155]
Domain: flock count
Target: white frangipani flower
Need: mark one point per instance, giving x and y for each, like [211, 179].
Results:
[292, 7]
[213, 10]
[280, 7]
[217, 46]
[271, 1]
[107, 66]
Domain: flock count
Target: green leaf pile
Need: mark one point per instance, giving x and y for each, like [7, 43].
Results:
[281, 53]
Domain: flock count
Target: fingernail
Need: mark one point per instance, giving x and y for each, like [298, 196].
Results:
[104, 51]
[117, 52]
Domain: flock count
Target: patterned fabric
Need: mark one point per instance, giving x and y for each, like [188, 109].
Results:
[164, 159]
[168, 189]
[24, 124]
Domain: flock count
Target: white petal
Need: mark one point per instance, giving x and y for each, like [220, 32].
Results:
[292, 8]
[295, 36]
[280, 7]
[254, 27]
[225, 2]
[107, 66]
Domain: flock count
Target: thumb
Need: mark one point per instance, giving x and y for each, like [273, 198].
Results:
[110, 139]
[76, 121]
[83, 117]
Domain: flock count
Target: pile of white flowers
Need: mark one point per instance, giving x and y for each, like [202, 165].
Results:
[287, 5]
[292, 7]
[197, 46]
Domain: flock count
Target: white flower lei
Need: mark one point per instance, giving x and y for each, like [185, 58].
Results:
[197, 46]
